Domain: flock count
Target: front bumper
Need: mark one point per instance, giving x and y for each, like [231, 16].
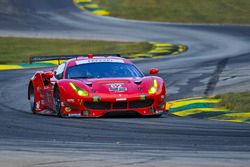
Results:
[97, 107]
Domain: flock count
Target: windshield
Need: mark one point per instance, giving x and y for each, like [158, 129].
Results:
[103, 70]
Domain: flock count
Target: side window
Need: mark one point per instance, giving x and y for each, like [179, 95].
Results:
[59, 71]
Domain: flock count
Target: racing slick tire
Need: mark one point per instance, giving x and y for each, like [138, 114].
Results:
[57, 102]
[32, 99]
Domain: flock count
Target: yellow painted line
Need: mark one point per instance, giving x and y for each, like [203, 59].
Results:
[238, 115]
[175, 104]
[187, 112]
[197, 111]
[159, 50]
[162, 44]
[232, 117]
[174, 53]
[101, 12]
[91, 5]
[10, 67]
[144, 55]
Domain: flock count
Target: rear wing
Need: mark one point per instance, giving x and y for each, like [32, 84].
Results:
[33, 59]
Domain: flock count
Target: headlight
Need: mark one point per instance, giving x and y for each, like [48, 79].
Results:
[79, 91]
[153, 88]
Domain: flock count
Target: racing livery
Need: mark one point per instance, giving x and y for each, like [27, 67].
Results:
[93, 86]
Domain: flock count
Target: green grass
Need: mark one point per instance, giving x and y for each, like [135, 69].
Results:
[239, 102]
[189, 11]
[17, 50]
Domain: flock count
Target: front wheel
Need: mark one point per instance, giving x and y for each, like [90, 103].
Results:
[57, 103]
[32, 99]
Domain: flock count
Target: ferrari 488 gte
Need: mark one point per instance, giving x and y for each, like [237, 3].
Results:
[93, 86]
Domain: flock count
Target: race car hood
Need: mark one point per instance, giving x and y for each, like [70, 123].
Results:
[119, 86]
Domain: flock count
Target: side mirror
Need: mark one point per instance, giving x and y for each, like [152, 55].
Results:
[153, 71]
[48, 75]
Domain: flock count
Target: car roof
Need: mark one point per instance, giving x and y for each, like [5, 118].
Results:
[96, 59]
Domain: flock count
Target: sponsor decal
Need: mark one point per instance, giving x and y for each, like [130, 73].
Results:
[143, 97]
[99, 61]
[159, 111]
[80, 101]
[117, 87]
[121, 99]
[70, 100]
[74, 115]
[38, 104]
[67, 109]
[62, 104]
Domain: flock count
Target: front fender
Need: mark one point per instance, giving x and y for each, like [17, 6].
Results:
[66, 91]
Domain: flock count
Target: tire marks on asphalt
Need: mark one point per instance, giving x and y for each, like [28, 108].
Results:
[215, 77]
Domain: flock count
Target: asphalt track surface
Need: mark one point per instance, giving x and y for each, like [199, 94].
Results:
[217, 62]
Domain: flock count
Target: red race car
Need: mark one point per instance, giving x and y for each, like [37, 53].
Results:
[94, 86]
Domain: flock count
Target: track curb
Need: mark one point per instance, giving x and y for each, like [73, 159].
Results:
[159, 50]
[90, 6]
[205, 108]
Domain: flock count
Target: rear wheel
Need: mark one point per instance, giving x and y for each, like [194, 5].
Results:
[57, 103]
[32, 99]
